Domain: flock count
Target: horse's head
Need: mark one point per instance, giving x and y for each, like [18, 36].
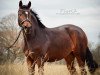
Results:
[24, 15]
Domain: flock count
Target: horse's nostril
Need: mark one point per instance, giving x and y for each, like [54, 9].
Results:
[26, 24]
[25, 27]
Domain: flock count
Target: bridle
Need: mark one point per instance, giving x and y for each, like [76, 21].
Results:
[27, 17]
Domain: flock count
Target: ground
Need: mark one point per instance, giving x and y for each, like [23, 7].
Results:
[50, 69]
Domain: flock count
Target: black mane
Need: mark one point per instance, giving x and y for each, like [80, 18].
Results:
[38, 19]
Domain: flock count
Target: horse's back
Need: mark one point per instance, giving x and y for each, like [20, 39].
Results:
[71, 33]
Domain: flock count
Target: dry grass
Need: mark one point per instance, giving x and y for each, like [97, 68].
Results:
[51, 69]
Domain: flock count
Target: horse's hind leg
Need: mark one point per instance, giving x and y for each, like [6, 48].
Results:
[81, 62]
[31, 67]
[70, 64]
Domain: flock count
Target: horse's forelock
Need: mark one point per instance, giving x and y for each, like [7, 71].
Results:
[24, 7]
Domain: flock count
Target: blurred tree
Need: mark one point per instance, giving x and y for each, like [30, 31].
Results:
[96, 51]
[8, 34]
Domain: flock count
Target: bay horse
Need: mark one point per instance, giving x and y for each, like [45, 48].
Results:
[42, 44]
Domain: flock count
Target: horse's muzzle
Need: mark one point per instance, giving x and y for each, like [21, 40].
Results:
[25, 23]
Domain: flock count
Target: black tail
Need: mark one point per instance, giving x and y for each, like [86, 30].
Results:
[92, 65]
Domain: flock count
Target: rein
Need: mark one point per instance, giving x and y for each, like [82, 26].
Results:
[15, 40]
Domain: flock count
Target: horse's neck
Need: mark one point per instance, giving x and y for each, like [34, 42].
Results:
[35, 34]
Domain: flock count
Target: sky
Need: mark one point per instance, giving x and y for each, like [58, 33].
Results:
[53, 13]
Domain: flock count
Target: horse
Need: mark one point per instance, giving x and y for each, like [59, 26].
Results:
[43, 44]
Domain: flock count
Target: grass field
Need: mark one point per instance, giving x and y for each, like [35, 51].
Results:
[21, 69]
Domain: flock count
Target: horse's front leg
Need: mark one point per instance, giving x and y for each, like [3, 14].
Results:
[40, 64]
[31, 66]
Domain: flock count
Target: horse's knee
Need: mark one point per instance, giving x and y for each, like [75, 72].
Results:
[72, 70]
[41, 70]
[31, 71]
[83, 71]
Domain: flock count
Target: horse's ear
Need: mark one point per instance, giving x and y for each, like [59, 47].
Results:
[20, 3]
[29, 4]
